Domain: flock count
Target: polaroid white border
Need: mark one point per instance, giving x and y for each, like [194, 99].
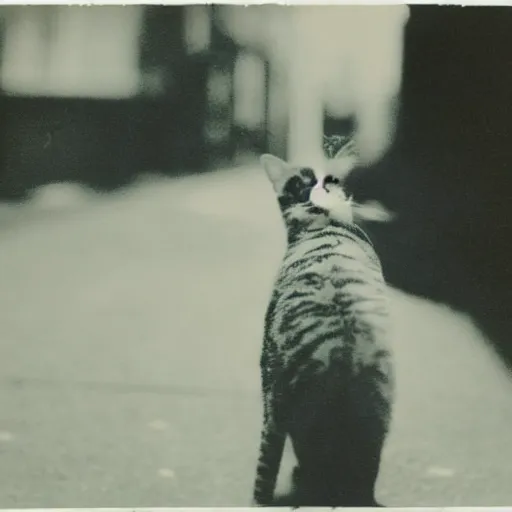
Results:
[269, 509]
[489, 3]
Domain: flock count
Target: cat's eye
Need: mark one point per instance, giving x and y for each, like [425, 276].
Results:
[308, 175]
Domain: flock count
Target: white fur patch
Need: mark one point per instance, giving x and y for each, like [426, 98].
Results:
[373, 211]
[340, 167]
[333, 200]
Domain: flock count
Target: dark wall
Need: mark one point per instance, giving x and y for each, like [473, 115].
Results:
[449, 174]
[102, 143]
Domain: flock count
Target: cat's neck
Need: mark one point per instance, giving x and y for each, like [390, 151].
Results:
[327, 225]
[352, 228]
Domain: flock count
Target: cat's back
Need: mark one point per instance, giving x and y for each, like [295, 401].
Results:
[330, 276]
[330, 288]
[341, 256]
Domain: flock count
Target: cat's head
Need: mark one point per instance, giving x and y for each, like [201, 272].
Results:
[310, 198]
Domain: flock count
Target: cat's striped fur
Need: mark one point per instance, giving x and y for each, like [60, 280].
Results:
[327, 375]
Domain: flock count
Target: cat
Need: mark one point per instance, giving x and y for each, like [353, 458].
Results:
[326, 364]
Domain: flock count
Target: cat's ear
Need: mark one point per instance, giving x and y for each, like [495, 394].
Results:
[372, 211]
[277, 170]
[343, 152]
[340, 167]
[344, 160]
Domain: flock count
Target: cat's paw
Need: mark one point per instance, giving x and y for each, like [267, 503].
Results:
[286, 500]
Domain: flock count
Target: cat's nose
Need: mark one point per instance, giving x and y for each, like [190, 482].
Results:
[331, 179]
[319, 183]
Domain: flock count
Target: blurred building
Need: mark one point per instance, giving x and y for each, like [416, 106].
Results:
[99, 94]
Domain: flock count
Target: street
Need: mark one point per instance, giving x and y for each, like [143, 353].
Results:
[130, 335]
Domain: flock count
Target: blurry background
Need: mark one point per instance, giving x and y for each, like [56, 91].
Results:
[131, 320]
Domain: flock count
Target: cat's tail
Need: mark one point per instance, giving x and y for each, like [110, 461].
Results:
[269, 461]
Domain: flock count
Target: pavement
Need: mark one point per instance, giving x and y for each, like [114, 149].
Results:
[130, 333]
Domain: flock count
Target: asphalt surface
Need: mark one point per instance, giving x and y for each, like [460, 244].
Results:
[130, 335]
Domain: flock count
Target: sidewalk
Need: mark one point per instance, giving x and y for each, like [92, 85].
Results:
[131, 331]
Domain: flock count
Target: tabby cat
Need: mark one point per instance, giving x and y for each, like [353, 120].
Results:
[327, 373]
